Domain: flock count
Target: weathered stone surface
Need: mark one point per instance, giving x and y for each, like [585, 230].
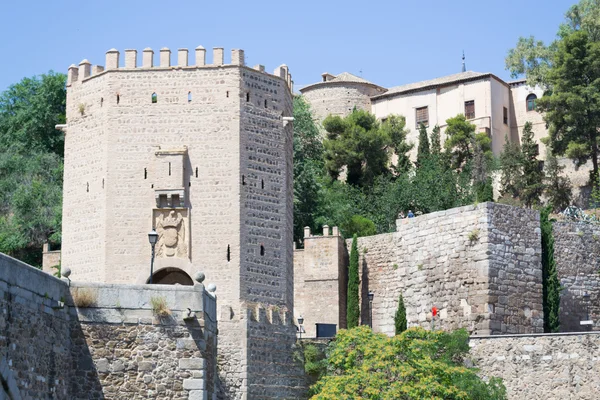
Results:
[577, 256]
[540, 367]
[479, 266]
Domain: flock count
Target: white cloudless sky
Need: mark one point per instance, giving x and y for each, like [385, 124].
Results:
[387, 42]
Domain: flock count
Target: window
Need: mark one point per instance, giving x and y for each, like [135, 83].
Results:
[470, 109]
[189, 97]
[422, 116]
[531, 102]
[505, 115]
[154, 98]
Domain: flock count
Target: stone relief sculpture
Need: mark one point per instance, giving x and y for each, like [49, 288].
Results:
[171, 235]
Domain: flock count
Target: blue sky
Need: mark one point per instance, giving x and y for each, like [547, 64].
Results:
[391, 42]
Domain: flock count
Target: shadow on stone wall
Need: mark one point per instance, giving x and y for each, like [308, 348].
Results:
[365, 317]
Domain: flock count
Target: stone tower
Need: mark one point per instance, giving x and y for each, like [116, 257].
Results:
[203, 154]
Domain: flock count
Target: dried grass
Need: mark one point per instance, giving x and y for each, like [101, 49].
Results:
[83, 298]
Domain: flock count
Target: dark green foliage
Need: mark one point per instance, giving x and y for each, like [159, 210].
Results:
[314, 360]
[400, 317]
[532, 179]
[31, 165]
[362, 145]
[353, 304]
[511, 165]
[551, 284]
[436, 145]
[460, 138]
[572, 106]
[482, 182]
[423, 149]
[359, 226]
[558, 187]
[308, 168]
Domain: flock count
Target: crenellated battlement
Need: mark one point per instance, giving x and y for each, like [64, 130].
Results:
[86, 70]
[268, 314]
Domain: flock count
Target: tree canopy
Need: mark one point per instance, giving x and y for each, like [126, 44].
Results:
[417, 364]
[31, 152]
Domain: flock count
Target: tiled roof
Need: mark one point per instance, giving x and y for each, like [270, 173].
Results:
[343, 77]
[432, 83]
[348, 77]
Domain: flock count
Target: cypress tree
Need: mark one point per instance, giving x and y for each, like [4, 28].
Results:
[551, 284]
[511, 163]
[436, 145]
[400, 317]
[423, 149]
[532, 180]
[353, 308]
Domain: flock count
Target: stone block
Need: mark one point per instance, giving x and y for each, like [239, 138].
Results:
[194, 384]
[198, 395]
[192, 363]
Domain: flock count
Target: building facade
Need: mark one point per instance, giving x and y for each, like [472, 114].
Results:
[493, 105]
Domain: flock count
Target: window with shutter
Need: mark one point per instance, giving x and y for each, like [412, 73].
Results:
[470, 109]
[422, 116]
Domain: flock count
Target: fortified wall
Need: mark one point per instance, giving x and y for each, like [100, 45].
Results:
[577, 257]
[69, 340]
[540, 367]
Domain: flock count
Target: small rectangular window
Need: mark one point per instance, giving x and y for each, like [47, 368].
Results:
[470, 109]
[422, 116]
[505, 115]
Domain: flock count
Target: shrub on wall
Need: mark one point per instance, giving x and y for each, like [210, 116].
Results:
[353, 308]
[551, 284]
[400, 317]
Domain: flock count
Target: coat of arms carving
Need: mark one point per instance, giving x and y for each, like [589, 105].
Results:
[172, 235]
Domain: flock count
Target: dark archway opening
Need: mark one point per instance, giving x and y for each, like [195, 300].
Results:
[171, 276]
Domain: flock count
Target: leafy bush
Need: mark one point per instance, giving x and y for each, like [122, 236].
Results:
[359, 226]
[416, 364]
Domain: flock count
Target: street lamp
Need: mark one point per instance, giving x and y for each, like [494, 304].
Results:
[152, 238]
[300, 322]
[371, 295]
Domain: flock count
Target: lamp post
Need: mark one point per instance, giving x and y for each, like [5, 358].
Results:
[300, 322]
[152, 238]
[371, 295]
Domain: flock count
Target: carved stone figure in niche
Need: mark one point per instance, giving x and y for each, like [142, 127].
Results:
[171, 235]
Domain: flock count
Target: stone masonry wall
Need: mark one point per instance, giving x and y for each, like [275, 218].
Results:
[320, 281]
[339, 98]
[479, 265]
[111, 346]
[577, 256]
[540, 367]
[35, 332]
[274, 373]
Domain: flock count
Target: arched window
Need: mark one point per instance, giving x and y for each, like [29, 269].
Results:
[262, 250]
[189, 97]
[531, 102]
[154, 98]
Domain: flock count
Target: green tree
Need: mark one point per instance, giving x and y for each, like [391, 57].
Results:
[572, 105]
[595, 196]
[436, 144]
[423, 150]
[533, 58]
[558, 187]
[353, 307]
[511, 165]
[394, 128]
[532, 178]
[400, 317]
[308, 168]
[461, 139]
[551, 284]
[417, 364]
[363, 146]
[359, 226]
[31, 165]
[482, 181]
